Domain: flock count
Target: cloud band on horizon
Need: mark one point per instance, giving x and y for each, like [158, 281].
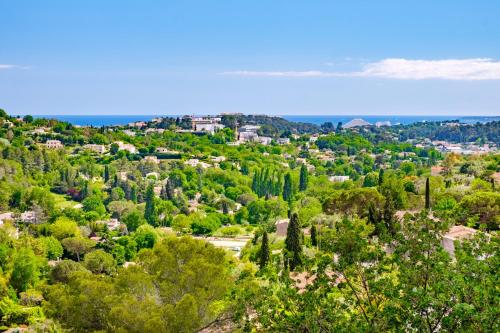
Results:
[10, 66]
[403, 69]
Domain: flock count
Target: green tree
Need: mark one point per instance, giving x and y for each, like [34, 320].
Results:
[78, 246]
[264, 251]
[28, 119]
[150, 210]
[53, 248]
[314, 237]
[288, 188]
[145, 237]
[100, 262]
[114, 148]
[94, 203]
[64, 227]
[106, 173]
[380, 177]
[304, 176]
[293, 242]
[63, 270]
[25, 270]
[427, 194]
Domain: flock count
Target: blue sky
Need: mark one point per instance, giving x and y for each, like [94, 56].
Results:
[274, 57]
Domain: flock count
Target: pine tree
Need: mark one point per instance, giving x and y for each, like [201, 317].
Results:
[150, 210]
[427, 194]
[314, 236]
[264, 251]
[287, 188]
[292, 242]
[304, 175]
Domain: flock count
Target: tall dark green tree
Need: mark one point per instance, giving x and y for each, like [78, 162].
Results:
[375, 219]
[380, 177]
[292, 243]
[106, 173]
[287, 188]
[133, 193]
[150, 210]
[304, 175]
[264, 251]
[389, 210]
[314, 236]
[427, 194]
[85, 190]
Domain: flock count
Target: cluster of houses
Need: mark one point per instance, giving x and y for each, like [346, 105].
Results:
[463, 149]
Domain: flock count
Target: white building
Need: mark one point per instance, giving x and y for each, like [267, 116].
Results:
[137, 124]
[195, 163]
[218, 159]
[283, 141]
[338, 179]
[5, 217]
[126, 146]
[54, 144]
[154, 130]
[163, 150]
[40, 130]
[100, 149]
[129, 132]
[247, 136]
[265, 140]
[249, 128]
[208, 127]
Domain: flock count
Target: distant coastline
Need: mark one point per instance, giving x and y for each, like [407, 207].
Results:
[110, 120]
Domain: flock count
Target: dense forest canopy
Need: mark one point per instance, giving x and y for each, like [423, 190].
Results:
[156, 227]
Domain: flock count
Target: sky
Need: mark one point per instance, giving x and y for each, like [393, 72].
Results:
[351, 57]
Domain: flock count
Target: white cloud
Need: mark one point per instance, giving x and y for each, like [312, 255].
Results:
[10, 66]
[5, 66]
[404, 69]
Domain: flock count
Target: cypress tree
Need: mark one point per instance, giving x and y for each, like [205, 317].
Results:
[292, 242]
[314, 236]
[427, 194]
[380, 177]
[106, 173]
[255, 182]
[150, 210]
[200, 179]
[85, 190]
[264, 251]
[133, 194]
[304, 175]
[287, 188]
[169, 189]
[389, 214]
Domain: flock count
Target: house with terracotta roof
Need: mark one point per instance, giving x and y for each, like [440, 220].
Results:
[456, 233]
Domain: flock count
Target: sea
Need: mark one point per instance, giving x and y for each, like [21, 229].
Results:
[111, 120]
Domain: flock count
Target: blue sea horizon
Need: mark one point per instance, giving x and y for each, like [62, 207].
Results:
[113, 120]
